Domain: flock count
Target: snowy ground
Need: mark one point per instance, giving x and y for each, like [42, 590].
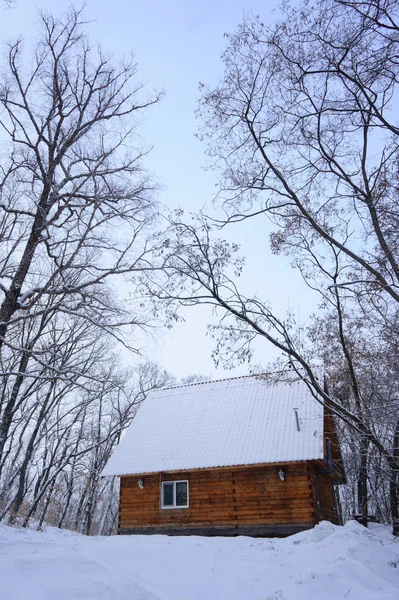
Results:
[328, 562]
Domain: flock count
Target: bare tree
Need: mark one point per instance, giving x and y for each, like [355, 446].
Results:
[302, 129]
[77, 222]
[73, 176]
[76, 203]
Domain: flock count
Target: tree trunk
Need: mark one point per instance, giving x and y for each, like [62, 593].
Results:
[394, 483]
[28, 455]
[107, 508]
[10, 303]
[8, 413]
[47, 503]
[362, 487]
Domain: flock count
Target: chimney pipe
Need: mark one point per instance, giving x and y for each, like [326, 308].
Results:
[298, 427]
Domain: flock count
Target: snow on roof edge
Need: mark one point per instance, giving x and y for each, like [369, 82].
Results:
[217, 467]
[237, 377]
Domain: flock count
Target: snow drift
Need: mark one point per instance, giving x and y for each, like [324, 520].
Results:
[327, 562]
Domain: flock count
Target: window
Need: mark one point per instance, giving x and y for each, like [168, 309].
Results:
[174, 494]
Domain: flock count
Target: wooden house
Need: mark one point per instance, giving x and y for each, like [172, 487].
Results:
[252, 456]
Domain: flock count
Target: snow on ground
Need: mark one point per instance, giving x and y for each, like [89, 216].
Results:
[327, 563]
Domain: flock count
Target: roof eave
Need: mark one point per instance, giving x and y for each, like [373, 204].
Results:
[218, 468]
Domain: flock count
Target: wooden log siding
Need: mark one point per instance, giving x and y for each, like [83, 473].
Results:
[232, 501]
[330, 433]
[327, 509]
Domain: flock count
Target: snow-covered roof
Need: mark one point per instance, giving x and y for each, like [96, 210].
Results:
[239, 421]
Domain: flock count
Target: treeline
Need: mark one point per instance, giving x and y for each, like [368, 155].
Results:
[62, 435]
[76, 223]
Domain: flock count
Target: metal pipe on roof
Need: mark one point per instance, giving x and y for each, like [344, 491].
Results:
[298, 427]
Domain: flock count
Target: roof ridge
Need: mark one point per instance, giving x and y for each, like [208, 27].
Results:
[253, 375]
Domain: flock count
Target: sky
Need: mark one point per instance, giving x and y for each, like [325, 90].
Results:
[178, 44]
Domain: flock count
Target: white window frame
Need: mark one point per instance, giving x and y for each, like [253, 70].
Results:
[174, 507]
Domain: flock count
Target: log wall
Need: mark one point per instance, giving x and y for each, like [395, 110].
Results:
[249, 500]
[326, 500]
[330, 433]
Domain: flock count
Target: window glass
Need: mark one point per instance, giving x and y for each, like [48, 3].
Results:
[168, 494]
[181, 493]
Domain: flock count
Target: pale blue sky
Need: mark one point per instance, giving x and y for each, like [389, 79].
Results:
[177, 44]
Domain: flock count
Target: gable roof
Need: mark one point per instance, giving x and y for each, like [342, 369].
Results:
[239, 421]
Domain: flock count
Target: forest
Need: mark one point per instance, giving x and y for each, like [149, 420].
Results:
[302, 132]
